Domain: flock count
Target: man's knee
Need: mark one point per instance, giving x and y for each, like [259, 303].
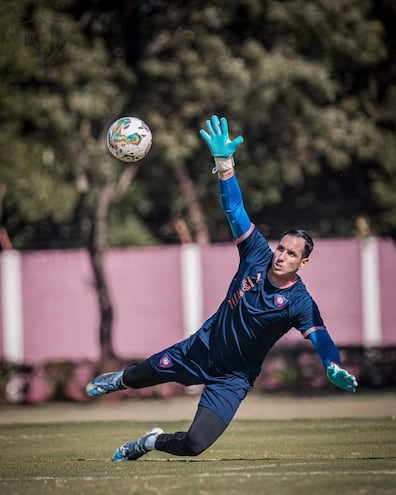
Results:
[195, 445]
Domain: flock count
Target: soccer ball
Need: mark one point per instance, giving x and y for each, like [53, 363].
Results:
[129, 139]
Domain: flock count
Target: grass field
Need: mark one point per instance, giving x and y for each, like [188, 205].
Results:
[279, 457]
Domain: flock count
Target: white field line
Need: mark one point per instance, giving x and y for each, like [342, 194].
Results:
[371, 472]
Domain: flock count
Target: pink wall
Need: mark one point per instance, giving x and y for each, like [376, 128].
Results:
[219, 263]
[59, 306]
[387, 257]
[146, 289]
[60, 315]
[333, 278]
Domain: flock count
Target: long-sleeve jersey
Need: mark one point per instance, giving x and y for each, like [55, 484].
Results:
[255, 314]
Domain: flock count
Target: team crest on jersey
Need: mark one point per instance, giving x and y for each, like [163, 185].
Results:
[279, 301]
[166, 361]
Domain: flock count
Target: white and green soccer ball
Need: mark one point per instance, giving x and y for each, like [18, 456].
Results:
[129, 139]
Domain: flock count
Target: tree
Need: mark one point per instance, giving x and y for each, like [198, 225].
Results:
[64, 93]
[311, 85]
[298, 78]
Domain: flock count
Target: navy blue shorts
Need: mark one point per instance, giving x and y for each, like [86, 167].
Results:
[189, 363]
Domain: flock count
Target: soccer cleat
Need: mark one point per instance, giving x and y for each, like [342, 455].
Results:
[105, 383]
[134, 450]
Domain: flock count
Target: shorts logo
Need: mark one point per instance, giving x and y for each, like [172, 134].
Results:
[166, 361]
[279, 301]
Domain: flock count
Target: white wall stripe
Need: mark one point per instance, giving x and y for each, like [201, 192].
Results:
[191, 274]
[371, 292]
[11, 303]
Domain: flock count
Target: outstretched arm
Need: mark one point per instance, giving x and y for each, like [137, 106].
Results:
[222, 150]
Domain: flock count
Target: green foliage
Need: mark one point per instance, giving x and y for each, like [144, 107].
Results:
[121, 233]
[310, 84]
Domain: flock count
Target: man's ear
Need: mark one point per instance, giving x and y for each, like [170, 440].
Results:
[303, 263]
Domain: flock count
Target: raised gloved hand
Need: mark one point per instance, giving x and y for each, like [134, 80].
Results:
[341, 378]
[219, 143]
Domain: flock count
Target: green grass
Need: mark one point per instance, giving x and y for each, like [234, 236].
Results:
[318, 457]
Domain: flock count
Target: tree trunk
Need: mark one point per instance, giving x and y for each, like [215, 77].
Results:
[195, 214]
[94, 217]
[97, 248]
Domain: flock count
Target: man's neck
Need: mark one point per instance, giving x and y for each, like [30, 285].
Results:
[281, 282]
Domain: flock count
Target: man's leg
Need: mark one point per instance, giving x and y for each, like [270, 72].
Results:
[203, 432]
[142, 375]
[134, 376]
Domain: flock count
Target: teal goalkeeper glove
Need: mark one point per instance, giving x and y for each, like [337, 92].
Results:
[219, 143]
[341, 378]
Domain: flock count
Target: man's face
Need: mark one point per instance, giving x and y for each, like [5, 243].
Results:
[288, 257]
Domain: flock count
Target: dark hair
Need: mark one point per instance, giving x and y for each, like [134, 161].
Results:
[309, 244]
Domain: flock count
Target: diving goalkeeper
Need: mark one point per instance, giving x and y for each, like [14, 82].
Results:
[266, 298]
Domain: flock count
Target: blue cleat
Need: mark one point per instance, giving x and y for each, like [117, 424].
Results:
[134, 450]
[105, 383]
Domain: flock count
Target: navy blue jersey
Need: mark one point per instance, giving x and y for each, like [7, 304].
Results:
[255, 313]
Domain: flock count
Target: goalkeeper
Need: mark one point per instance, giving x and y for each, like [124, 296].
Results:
[265, 299]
